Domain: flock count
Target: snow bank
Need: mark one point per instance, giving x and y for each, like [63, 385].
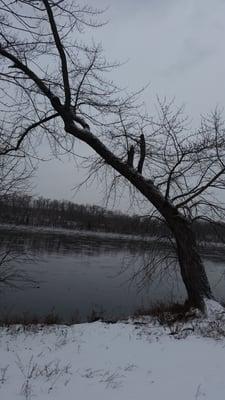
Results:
[109, 361]
[214, 310]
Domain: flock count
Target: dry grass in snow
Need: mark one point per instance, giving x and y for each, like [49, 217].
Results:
[132, 360]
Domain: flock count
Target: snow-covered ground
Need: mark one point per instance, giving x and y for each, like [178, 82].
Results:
[127, 360]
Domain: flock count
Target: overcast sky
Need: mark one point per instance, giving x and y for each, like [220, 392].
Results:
[177, 46]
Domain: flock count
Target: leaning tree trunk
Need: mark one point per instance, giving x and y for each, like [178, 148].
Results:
[191, 265]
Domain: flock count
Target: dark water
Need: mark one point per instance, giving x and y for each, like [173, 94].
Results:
[77, 273]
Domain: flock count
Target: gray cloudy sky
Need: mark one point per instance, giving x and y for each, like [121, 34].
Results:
[178, 46]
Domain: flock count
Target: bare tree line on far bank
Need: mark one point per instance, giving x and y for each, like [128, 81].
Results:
[23, 209]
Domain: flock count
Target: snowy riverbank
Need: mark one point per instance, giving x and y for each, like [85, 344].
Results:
[72, 232]
[209, 247]
[128, 360]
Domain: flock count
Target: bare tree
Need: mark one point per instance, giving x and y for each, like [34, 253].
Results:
[52, 84]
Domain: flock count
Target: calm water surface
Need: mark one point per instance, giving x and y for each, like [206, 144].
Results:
[81, 272]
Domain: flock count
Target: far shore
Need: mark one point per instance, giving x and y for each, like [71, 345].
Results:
[206, 247]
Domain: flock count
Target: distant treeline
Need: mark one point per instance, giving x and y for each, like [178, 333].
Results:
[26, 210]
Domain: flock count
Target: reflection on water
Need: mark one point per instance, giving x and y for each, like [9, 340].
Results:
[80, 242]
[81, 272]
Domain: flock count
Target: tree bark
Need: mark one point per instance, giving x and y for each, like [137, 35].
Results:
[191, 265]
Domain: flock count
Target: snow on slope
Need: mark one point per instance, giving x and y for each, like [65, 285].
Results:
[214, 310]
[109, 361]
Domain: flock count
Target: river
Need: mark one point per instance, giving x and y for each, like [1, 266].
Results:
[77, 275]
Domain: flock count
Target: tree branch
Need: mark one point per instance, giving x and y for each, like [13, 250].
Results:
[61, 52]
[142, 153]
[22, 137]
[171, 175]
[202, 188]
[130, 156]
[27, 71]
